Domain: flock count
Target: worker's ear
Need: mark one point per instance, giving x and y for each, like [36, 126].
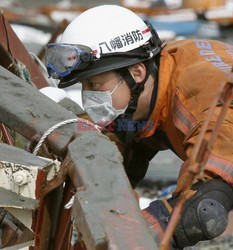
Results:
[138, 72]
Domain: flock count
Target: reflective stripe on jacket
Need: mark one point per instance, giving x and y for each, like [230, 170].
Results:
[191, 72]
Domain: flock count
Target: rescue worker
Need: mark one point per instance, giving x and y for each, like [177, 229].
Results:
[153, 96]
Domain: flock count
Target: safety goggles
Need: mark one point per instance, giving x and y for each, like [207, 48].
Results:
[62, 59]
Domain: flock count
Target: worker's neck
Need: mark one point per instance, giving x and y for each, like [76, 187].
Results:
[144, 101]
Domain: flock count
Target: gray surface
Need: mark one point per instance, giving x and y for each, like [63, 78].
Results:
[106, 197]
[164, 166]
[32, 113]
[71, 106]
[19, 156]
[11, 199]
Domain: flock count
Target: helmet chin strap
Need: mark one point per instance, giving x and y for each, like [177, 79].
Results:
[136, 90]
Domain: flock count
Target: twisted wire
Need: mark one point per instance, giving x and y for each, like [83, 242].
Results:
[50, 130]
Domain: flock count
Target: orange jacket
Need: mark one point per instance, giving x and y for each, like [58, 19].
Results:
[190, 74]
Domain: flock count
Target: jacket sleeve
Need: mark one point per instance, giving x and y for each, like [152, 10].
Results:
[220, 161]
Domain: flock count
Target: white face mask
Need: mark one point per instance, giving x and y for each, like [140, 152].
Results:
[98, 105]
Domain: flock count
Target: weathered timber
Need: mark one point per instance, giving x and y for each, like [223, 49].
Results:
[24, 109]
[104, 210]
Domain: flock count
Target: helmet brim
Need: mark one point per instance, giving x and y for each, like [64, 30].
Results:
[104, 65]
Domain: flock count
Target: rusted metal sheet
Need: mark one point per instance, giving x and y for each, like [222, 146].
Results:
[16, 216]
[23, 176]
[64, 229]
[13, 51]
[6, 135]
[46, 220]
[13, 231]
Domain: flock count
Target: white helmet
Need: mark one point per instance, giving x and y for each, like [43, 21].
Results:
[102, 38]
[108, 29]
